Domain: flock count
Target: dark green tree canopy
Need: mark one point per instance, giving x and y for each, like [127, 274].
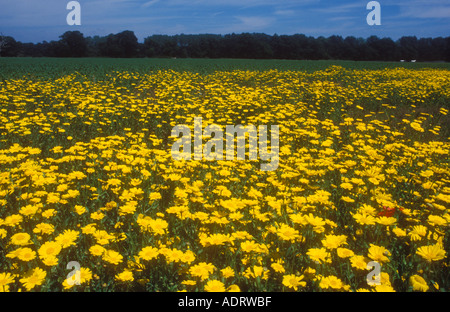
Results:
[245, 45]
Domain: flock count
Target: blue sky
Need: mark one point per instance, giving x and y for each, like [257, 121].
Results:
[39, 20]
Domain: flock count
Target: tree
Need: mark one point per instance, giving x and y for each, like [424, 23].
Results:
[74, 43]
[244, 45]
[383, 49]
[9, 46]
[128, 44]
[124, 44]
[2, 43]
[408, 48]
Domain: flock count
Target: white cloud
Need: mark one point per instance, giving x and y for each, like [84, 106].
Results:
[149, 3]
[427, 12]
[253, 23]
[343, 8]
[285, 12]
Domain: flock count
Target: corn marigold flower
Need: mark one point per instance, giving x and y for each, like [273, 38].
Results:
[148, 253]
[293, 281]
[3, 233]
[189, 282]
[125, 276]
[319, 255]
[384, 288]
[332, 241]
[358, 262]
[5, 280]
[364, 219]
[418, 283]
[13, 220]
[227, 272]
[67, 238]
[112, 257]
[256, 271]
[233, 288]
[214, 286]
[432, 252]
[202, 270]
[44, 228]
[287, 233]
[35, 278]
[84, 277]
[21, 239]
[25, 254]
[331, 282]
[344, 252]
[278, 266]
[399, 232]
[97, 250]
[49, 250]
[418, 232]
[378, 253]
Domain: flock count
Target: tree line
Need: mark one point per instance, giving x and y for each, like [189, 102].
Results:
[246, 45]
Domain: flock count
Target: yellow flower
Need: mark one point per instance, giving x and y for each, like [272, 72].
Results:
[418, 232]
[25, 254]
[202, 270]
[97, 215]
[233, 288]
[334, 241]
[344, 252]
[331, 282]
[278, 266]
[364, 219]
[386, 220]
[85, 275]
[319, 255]
[358, 262]
[49, 213]
[384, 288]
[187, 257]
[293, 281]
[227, 272]
[128, 208]
[416, 126]
[35, 278]
[21, 239]
[189, 282]
[50, 261]
[67, 238]
[432, 252]
[378, 253]
[434, 220]
[97, 250]
[256, 271]
[112, 257]
[80, 209]
[125, 276]
[13, 220]
[399, 232]
[214, 286]
[418, 283]
[49, 249]
[148, 253]
[5, 280]
[285, 232]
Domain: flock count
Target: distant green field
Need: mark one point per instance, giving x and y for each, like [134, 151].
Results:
[54, 67]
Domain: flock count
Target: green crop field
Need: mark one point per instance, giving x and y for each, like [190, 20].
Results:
[17, 67]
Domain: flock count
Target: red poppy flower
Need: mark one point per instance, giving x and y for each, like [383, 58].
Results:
[388, 211]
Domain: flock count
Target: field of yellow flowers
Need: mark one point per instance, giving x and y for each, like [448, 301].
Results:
[86, 175]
